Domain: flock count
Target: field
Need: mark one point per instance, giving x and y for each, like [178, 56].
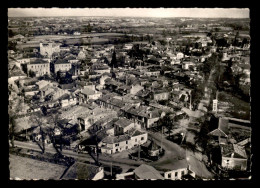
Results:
[235, 107]
[94, 38]
[26, 168]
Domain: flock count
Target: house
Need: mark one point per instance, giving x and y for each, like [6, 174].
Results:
[160, 95]
[177, 170]
[89, 92]
[152, 73]
[234, 138]
[113, 144]
[233, 156]
[180, 55]
[15, 74]
[81, 55]
[83, 171]
[76, 33]
[187, 64]
[39, 66]
[88, 118]
[135, 88]
[61, 65]
[142, 115]
[128, 46]
[67, 100]
[123, 125]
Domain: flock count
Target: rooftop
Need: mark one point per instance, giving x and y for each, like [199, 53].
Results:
[147, 172]
[123, 122]
[62, 61]
[81, 171]
[39, 61]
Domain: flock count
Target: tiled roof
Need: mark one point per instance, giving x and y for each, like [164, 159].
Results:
[81, 171]
[116, 139]
[147, 172]
[223, 125]
[62, 61]
[39, 61]
[123, 122]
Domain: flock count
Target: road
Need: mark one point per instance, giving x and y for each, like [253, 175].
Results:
[106, 160]
[175, 152]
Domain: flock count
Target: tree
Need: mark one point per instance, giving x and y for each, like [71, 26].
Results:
[32, 73]
[167, 122]
[202, 137]
[39, 122]
[10, 33]
[54, 121]
[113, 63]
[13, 111]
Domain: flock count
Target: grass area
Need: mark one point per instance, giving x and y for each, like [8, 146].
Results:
[237, 107]
[26, 168]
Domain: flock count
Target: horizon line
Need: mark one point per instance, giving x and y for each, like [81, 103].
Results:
[128, 17]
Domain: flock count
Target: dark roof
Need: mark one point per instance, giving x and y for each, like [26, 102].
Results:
[39, 61]
[151, 145]
[81, 171]
[123, 122]
[223, 125]
[62, 61]
[116, 139]
[147, 172]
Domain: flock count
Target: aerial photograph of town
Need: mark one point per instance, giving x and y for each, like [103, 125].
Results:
[129, 94]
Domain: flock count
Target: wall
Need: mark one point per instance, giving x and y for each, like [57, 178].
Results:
[234, 163]
[161, 96]
[62, 67]
[39, 69]
[151, 121]
[136, 140]
[179, 175]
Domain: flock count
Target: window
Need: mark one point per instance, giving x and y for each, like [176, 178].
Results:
[126, 147]
[136, 140]
[169, 175]
[126, 142]
[176, 174]
[182, 172]
[142, 138]
[116, 144]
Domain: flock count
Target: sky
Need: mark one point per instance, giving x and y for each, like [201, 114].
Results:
[131, 12]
